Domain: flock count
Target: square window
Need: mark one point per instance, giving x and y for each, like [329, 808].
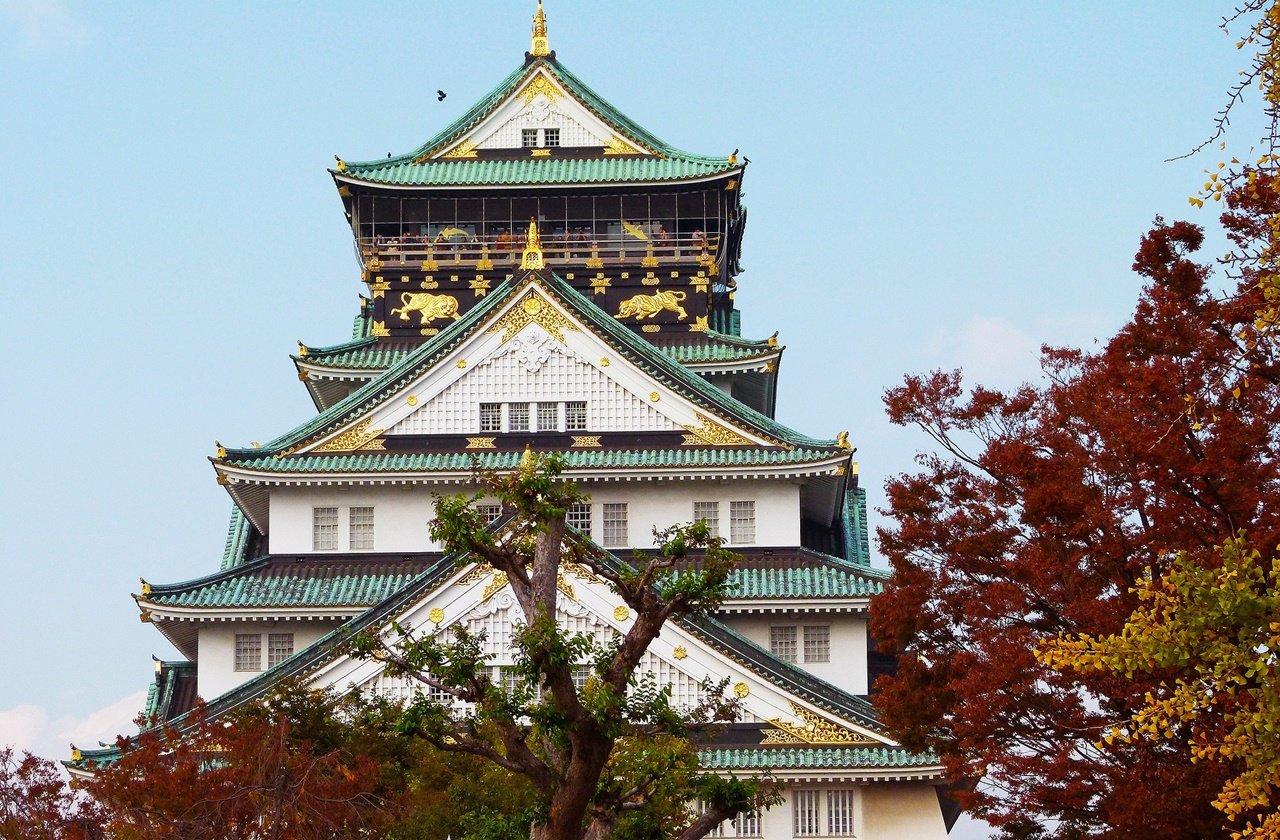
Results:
[324, 529]
[614, 520]
[518, 417]
[782, 642]
[709, 511]
[490, 417]
[551, 137]
[804, 804]
[360, 520]
[840, 813]
[528, 137]
[747, 825]
[548, 417]
[581, 673]
[817, 643]
[279, 648]
[579, 517]
[491, 513]
[248, 652]
[742, 522]
[575, 416]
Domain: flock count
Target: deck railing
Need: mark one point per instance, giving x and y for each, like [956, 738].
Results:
[492, 251]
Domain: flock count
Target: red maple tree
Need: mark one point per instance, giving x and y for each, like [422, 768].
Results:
[1036, 517]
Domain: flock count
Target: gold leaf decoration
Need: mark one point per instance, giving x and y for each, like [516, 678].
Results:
[813, 729]
[621, 613]
[711, 433]
[564, 585]
[540, 85]
[533, 310]
[465, 149]
[618, 146]
[680, 652]
[741, 690]
[481, 443]
[580, 441]
[353, 438]
[436, 615]
[495, 584]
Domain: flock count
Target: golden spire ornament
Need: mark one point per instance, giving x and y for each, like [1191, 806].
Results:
[532, 257]
[540, 33]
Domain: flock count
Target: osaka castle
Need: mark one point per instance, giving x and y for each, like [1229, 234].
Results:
[546, 275]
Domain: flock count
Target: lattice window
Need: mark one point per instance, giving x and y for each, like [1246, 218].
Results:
[747, 825]
[575, 416]
[491, 513]
[742, 522]
[324, 529]
[248, 652]
[518, 417]
[496, 628]
[360, 521]
[685, 690]
[782, 642]
[805, 805]
[840, 804]
[279, 648]
[613, 518]
[581, 673]
[579, 517]
[709, 511]
[551, 137]
[817, 643]
[548, 417]
[528, 137]
[490, 417]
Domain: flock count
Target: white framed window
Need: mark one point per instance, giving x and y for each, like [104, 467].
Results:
[518, 417]
[709, 511]
[817, 643]
[360, 522]
[548, 417]
[575, 416]
[742, 522]
[324, 529]
[491, 513]
[581, 673]
[279, 648]
[579, 517]
[248, 652]
[840, 805]
[805, 805]
[551, 137]
[613, 519]
[747, 825]
[782, 642]
[528, 137]
[490, 417]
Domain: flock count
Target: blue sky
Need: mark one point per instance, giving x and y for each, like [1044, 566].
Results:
[932, 185]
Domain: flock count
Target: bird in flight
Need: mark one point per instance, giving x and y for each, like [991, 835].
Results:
[440, 95]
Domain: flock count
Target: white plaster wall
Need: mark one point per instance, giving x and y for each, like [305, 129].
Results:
[902, 810]
[883, 811]
[401, 513]
[848, 666]
[217, 647]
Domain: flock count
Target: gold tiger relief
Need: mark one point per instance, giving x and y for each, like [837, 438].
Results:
[647, 306]
[428, 305]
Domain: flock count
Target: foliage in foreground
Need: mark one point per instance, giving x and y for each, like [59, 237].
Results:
[1215, 631]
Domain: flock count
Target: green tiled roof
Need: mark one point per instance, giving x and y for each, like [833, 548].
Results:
[237, 538]
[806, 758]
[857, 541]
[670, 164]
[622, 339]
[573, 458]
[314, 582]
[807, 582]
[369, 353]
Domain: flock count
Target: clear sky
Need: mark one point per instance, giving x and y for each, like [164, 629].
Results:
[931, 185]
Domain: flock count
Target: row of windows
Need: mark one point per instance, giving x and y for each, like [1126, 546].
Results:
[533, 417]
[249, 650]
[815, 813]
[529, 137]
[613, 523]
[784, 642]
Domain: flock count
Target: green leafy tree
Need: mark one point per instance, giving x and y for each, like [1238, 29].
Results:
[613, 758]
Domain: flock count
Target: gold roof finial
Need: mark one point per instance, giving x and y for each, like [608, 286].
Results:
[532, 258]
[526, 460]
[540, 33]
